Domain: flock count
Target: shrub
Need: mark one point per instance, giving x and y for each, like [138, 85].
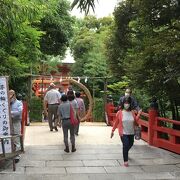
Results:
[98, 110]
[35, 107]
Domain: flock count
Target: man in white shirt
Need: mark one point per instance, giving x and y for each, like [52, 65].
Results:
[51, 103]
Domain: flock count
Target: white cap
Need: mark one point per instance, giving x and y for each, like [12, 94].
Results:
[52, 85]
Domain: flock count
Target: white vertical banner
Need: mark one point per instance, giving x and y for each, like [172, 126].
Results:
[86, 79]
[5, 120]
[79, 79]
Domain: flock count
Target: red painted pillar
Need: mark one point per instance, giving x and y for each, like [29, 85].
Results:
[152, 118]
[24, 118]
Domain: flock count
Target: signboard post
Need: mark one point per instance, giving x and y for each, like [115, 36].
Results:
[5, 118]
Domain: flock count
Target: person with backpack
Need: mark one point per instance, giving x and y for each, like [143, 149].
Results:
[134, 103]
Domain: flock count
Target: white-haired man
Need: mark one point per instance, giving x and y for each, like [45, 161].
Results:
[51, 103]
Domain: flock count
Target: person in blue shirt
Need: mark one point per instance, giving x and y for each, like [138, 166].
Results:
[16, 108]
[61, 90]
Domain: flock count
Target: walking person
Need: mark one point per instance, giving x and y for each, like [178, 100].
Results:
[61, 90]
[154, 104]
[134, 103]
[81, 110]
[125, 122]
[16, 108]
[64, 117]
[73, 102]
[51, 103]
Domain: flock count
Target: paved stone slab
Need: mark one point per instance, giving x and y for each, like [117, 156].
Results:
[19, 170]
[25, 163]
[45, 170]
[82, 170]
[27, 177]
[41, 157]
[97, 157]
[109, 156]
[29, 148]
[137, 162]
[95, 150]
[161, 175]
[46, 151]
[101, 163]
[176, 156]
[66, 177]
[73, 156]
[166, 161]
[6, 177]
[176, 174]
[100, 146]
[90, 177]
[122, 169]
[160, 168]
[145, 155]
[64, 163]
[117, 176]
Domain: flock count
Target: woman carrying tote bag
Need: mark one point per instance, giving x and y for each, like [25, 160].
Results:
[65, 112]
[125, 122]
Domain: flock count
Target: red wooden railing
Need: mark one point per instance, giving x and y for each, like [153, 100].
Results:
[154, 131]
[157, 134]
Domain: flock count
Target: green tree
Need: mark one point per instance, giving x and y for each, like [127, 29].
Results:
[57, 25]
[144, 46]
[88, 47]
[19, 40]
[21, 36]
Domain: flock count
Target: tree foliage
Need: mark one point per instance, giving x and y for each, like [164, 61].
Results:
[57, 24]
[19, 40]
[144, 46]
[88, 48]
[28, 31]
[84, 5]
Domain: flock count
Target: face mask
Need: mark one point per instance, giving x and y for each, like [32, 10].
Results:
[127, 94]
[126, 106]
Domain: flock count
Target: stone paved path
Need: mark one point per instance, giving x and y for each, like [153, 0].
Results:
[97, 158]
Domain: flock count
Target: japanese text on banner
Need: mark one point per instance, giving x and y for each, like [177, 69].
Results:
[4, 114]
